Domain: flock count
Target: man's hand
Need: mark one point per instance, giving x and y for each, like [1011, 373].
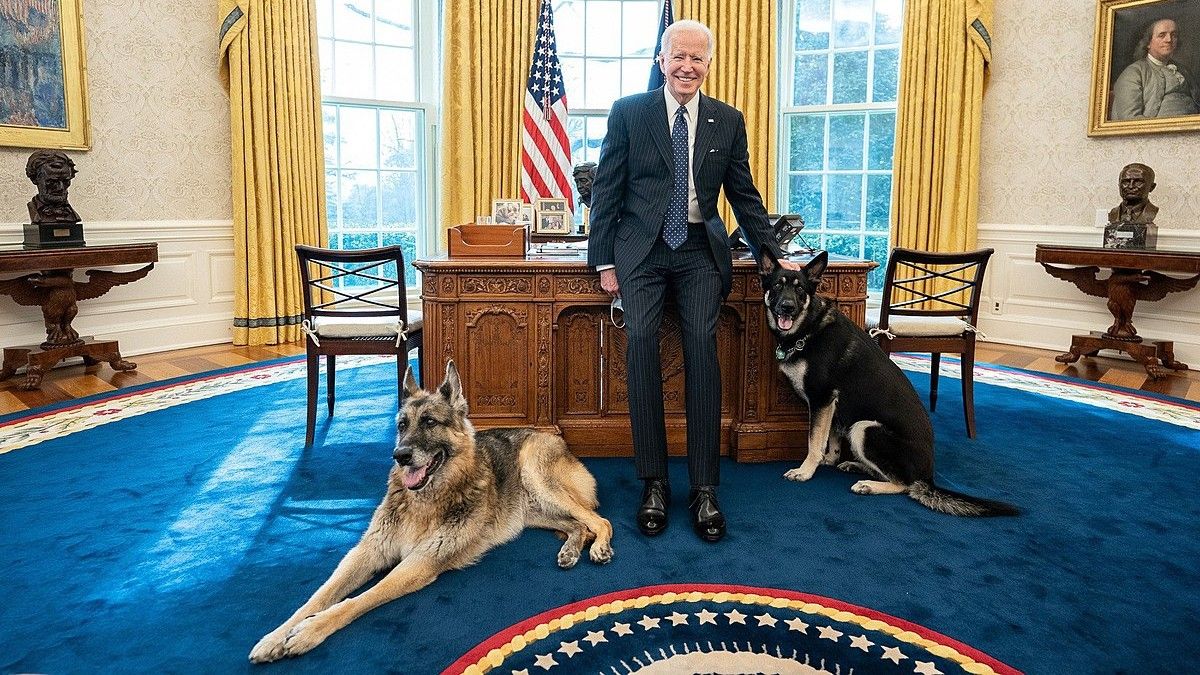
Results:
[608, 281]
[789, 265]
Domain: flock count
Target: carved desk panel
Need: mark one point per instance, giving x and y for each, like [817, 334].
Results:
[534, 346]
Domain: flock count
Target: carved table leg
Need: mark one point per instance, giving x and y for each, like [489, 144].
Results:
[13, 359]
[40, 363]
[1070, 357]
[1166, 352]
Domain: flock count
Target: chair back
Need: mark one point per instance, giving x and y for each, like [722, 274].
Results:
[923, 284]
[358, 283]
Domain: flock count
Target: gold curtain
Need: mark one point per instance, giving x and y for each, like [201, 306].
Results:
[943, 72]
[269, 65]
[744, 74]
[488, 47]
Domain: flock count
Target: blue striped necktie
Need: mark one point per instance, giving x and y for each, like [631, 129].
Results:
[675, 228]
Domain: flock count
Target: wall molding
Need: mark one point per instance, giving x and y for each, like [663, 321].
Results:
[1024, 305]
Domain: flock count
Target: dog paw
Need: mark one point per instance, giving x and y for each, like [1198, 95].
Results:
[601, 554]
[850, 467]
[304, 637]
[567, 557]
[800, 473]
[270, 647]
[862, 487]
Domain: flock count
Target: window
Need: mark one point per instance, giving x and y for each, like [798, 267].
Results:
[607, 49]
[376, 80]
[842, 59]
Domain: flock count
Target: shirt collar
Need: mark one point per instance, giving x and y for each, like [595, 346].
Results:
[693, 106]
[1156, 61]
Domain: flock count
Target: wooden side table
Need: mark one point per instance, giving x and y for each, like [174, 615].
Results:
[52, 287]
[1135, 275]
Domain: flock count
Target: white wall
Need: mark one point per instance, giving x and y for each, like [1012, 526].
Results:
[158, 170]
[1043, 180]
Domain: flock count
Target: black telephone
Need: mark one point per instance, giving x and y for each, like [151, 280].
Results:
[786, 228]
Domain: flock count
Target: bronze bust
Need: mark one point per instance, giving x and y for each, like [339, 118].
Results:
[584, 174]
[51, 171]
[1135, 184]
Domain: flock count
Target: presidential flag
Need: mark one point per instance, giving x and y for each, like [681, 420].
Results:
[545, 150]
[656, 76]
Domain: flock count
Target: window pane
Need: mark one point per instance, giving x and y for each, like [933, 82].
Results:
[326, 60]
[845, 202]
[879, 202]
[352, 75]
[639, 28]
[358, 195]
[806, 145]
[325, 18]
[399, 199]
[887, 75]
[883, 135]
[354, 241]
[352, 20]
[597, 126]
[635, 75]
[329, 129]
[602, 82]
[603, 16]
[804, 197]
[846, 141]
[575, 135]
[843, 244]
[850, 77]
[572, 70]
[877, 250]
[331, 198]
[852, 23]
[808, 83]
[568, 27]
[359, 145]
[813, 24]
[406, 240]
[394, 22]
[395, 74]
[398, 139]
[889, 17]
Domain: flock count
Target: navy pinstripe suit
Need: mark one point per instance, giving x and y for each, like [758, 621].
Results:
[629, 201]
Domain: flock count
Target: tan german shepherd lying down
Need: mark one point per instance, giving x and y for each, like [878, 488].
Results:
[452, 495]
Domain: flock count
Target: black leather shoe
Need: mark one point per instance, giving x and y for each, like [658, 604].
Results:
[652, 515]
[707, 519]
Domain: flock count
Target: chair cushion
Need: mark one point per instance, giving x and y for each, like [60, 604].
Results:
[362, 326]
[926, 326]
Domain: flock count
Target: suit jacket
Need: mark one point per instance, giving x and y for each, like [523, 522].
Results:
[1140, 89]
[635, 177]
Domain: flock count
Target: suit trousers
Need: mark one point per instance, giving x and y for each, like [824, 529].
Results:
[689, 277]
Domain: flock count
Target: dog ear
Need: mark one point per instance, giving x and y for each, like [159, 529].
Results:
[410, 384]
[767, 262]
[451, 388]
[816, 267]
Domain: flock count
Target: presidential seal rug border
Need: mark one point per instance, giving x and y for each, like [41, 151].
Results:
[718, 628]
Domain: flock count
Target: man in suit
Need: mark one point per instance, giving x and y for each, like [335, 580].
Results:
[656, 235]
[1155, 85]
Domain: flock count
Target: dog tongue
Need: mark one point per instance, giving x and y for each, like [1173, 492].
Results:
[413, 476]
[784, 322]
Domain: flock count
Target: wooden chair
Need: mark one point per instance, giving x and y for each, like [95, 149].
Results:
[931, 304]
[354, 303]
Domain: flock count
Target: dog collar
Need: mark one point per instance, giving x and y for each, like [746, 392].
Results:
[782, 355]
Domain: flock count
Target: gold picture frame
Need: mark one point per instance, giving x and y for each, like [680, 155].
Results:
[48, 109]
[1119, 104]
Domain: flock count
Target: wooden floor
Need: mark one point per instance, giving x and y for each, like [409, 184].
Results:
[74, 381]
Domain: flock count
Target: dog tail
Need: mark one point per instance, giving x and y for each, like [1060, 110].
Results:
[956, 503]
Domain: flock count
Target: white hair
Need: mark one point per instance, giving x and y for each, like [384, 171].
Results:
[687, 25]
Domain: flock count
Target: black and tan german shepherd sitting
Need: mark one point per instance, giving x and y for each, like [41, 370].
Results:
[864, 414]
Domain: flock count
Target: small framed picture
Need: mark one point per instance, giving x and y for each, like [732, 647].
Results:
[527, 214]
[552, 222]
[506, 211]
[552, 206]
[585, 228]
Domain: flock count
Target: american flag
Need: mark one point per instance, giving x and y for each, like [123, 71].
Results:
[545, 150]
[656, 76]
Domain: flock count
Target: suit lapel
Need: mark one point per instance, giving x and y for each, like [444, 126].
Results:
[656, 118]
[704, 131]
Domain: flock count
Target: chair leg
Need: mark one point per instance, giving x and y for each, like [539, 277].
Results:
[935, 368]
[968, 386]
[314, 368]
[330, 395]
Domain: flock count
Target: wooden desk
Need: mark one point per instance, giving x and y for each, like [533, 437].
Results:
[53, 288]
[534, 345]
[1135, 275]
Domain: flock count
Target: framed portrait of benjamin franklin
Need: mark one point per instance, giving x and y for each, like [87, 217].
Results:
[1145, 67]
[43, 87]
